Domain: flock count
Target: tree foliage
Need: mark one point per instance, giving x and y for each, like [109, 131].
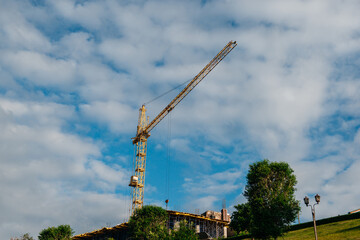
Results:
[185, 231]
[271, 202]
[240, 219]
[149, 223]
[62, 232]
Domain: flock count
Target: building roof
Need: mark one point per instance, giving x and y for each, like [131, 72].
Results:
[196, 216]
[122, 226]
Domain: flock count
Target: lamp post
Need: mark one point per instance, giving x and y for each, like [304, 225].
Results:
[306, 201]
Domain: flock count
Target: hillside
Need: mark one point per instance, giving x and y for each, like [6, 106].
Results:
[335, 228]
[349, 229]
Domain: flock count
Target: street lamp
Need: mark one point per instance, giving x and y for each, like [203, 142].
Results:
[306, 201]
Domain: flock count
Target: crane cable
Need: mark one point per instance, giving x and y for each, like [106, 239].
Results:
[163, 94]
[168, 150]
[168, 158]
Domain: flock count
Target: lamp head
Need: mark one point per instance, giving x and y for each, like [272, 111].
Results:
[306, 200]
[317, 198]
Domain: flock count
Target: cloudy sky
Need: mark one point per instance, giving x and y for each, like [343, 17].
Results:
[73, 75]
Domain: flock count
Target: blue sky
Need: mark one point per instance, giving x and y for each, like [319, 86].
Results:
[73, 75]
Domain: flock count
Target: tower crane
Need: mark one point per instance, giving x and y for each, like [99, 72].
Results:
[137, 181]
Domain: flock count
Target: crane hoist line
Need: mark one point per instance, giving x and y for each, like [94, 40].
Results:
[137, 181]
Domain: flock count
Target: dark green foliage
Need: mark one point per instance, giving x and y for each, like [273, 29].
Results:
[149, 222]
[186, 231]
[240, 219]
[270, 193]
[62, 232]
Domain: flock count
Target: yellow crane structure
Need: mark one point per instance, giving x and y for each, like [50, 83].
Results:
[137, 181]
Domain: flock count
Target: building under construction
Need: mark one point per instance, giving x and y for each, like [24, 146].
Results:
[208, 225]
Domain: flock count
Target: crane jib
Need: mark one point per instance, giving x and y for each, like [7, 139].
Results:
[200, 76]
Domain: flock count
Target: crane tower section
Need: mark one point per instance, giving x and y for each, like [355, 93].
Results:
[137, 181]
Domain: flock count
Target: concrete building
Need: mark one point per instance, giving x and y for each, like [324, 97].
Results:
[223, 215]
[209, 225]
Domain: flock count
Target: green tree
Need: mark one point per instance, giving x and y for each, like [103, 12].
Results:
[62, 232]
[270, 193]
[185, 231]
[240, 219]
[149, 223]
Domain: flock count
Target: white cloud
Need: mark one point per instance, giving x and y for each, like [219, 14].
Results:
[120, 117]
[88, 14]
[40, 69]
[37, 113]
[101, 84]
[203, 204]
[77, 46]
[17, 33]
[110, 177]
[45, 173]
[218, 184]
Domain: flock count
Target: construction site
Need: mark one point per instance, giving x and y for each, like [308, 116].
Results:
[208, 225]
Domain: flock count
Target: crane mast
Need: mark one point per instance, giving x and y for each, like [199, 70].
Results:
[137, 181]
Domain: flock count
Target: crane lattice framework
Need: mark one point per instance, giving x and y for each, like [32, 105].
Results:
[137, 181]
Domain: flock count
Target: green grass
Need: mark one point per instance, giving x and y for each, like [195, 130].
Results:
[342, 230]
[349, 229]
